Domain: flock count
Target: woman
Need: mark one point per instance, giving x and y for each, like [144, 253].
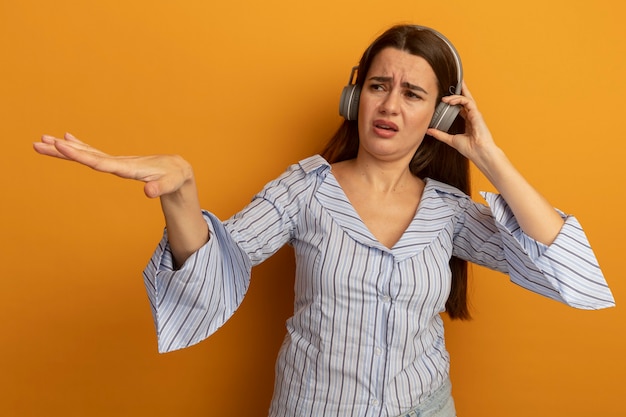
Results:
[381, 232]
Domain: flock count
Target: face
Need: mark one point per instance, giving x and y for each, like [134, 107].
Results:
[397, 102]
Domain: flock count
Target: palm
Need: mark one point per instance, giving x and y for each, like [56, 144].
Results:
[163, 174]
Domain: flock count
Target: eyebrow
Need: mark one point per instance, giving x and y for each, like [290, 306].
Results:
[404, 84]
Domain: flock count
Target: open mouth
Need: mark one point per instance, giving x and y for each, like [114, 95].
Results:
[386, 126]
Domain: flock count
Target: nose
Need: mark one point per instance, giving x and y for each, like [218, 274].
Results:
[391, 103]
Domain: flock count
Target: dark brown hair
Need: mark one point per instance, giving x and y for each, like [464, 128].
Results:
[433, 159]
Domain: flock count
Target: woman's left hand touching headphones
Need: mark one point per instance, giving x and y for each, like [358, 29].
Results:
[476, 143]
[534, 214]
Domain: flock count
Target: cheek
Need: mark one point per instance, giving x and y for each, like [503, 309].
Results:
[424, 116]
[365, 105]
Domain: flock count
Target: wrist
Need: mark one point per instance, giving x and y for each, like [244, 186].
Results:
[492, 161]
[182, 196]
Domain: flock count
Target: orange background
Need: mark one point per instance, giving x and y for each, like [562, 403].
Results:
[242, 89]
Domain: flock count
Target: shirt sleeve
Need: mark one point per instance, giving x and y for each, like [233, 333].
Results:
[566, 270]
[190, 303]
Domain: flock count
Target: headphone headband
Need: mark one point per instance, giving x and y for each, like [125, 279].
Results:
[455, 54]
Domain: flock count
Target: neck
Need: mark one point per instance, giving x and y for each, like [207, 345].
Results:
[384, 176]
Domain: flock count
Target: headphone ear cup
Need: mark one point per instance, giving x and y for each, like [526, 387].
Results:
[349, 102]
[444, 116]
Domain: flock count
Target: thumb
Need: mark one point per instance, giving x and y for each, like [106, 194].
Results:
[152, 189]
[440, 135]
[164, 185]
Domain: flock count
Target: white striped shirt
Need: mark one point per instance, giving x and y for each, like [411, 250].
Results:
[366, 337]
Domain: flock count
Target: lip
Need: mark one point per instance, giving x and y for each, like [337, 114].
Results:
[385, 128]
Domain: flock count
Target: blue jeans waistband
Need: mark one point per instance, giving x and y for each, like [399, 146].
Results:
[439, 404]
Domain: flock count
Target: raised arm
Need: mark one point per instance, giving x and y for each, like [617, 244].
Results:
[168, 177]
[534, 214]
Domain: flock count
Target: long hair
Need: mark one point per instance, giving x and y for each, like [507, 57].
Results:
[433, 159]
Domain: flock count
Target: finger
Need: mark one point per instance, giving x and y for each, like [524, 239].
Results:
[52, 146]
[465, 99]
[67, 137]
[162, 186]
[48, 139]
[71, 138]
[469, 110]
[47, 146]
[466, 92]
[440, 135]
[128, 167]
[151, 189]
[78, 144]
[84, 154]
[48, 149]
[459, 100]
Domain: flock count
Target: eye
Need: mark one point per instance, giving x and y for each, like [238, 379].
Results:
[377, 87]
[412, 95]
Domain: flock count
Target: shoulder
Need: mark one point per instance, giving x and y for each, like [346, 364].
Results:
[313, 164]
[302, 175]
[308, 169]
[444, 190]
[440, 194]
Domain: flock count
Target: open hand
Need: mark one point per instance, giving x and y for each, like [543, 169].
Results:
[162, 174]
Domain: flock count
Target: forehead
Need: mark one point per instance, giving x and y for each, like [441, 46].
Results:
[402, 66]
